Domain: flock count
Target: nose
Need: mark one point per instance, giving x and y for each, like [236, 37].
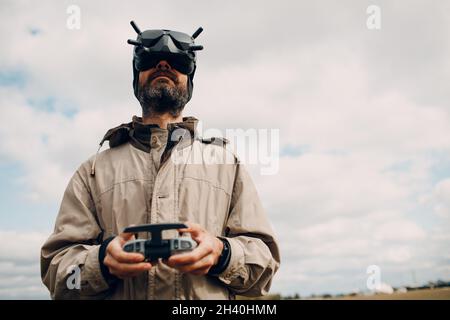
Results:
[163, 65]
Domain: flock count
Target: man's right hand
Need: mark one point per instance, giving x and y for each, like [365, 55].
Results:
[124, 264]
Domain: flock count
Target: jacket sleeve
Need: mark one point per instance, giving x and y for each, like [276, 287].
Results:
[73, 247]
[254, 250]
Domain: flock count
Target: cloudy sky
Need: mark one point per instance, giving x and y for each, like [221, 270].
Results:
[364, 120]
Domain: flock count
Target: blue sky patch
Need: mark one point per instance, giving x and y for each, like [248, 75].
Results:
[34, 31]
[294, 150]
[52, 104]
[17, 213]
[13, 77]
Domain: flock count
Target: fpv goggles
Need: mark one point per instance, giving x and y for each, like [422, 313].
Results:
[152, 46]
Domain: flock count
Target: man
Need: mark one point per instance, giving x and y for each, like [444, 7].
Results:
[148, 176]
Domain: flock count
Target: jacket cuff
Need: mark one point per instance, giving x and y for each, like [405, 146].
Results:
[107, 276]
[92, 275]
[236, 266]
[224, 259]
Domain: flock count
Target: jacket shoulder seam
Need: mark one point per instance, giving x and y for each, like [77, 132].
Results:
[208, 182]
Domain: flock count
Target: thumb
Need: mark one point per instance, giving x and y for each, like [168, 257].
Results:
[127, 236]
[124, 237]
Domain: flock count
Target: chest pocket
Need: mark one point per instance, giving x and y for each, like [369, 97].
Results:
[125, 203]
[204, 199]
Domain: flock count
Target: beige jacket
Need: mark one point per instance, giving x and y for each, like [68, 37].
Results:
[154, 175]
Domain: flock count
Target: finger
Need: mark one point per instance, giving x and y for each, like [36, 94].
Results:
[117, 252]
[201, 271]
[191, 226]
[194, 229]
[113, 263]
[126, 269]
[190, 257]
[126, 236]
[205, 263]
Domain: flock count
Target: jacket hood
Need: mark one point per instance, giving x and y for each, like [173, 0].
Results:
[140, 134]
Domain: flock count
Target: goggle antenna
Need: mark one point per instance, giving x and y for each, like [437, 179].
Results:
[134, 42]
[196, 33]
[135, 27]
[195, 48]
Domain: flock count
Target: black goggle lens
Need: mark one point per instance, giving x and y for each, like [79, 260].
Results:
[177, 62]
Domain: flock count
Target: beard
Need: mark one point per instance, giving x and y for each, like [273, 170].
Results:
[162, 97]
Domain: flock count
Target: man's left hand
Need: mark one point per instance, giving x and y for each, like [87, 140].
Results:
[203, 257]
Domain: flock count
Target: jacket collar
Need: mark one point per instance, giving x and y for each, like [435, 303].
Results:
[139, 134]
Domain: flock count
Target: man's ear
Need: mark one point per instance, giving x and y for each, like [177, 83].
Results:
[140, 74]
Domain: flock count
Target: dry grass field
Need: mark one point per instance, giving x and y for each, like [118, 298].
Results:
[419, 294]
[425, 294]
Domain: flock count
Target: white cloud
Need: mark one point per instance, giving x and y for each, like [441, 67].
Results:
[441, 198]
[20, 246]
[19, 265]
[395, 230]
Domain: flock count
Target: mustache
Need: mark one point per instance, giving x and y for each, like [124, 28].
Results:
[168, 74]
